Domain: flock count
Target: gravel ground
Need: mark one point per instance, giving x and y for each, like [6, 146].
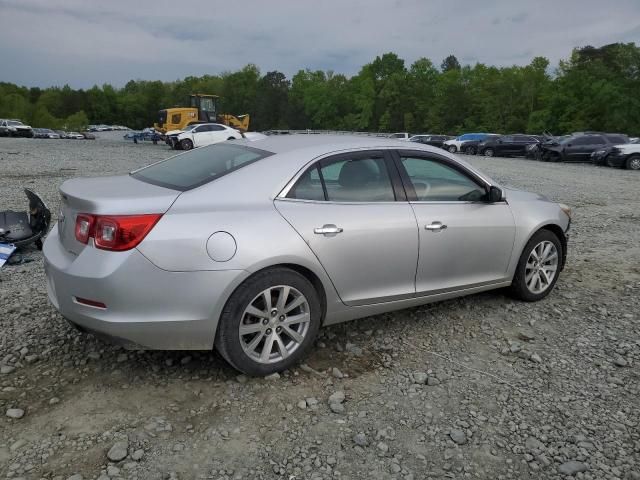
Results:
[480, 387]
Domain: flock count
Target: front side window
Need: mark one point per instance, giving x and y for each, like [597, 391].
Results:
[216, 128]
[346, 179]
[437, 182]
[176, 117]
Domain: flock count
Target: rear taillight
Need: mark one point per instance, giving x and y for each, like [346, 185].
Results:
[84, 227]
[114, 232]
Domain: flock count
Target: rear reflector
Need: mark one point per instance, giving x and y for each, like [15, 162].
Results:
[90, 303]
[114, 232]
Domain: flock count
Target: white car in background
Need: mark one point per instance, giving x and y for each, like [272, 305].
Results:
[400, 136]
[206, 134]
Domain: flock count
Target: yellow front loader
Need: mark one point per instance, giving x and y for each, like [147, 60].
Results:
[202, 109]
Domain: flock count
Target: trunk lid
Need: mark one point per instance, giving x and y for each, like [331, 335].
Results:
[114, 195]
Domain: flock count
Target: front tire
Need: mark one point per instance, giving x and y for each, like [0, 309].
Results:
[538, 268]
[452, 149]
[470, 151]
[489, 152]
[269, 322]
[186, 144]
[633, 162]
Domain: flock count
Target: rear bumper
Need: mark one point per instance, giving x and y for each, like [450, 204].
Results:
[146, 307]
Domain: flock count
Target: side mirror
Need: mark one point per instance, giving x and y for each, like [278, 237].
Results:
[495, 194]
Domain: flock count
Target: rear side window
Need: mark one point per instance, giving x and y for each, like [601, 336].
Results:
[199, 166]
[346, 179]
[617, 139]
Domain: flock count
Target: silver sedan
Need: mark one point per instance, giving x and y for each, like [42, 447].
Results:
[252, 246]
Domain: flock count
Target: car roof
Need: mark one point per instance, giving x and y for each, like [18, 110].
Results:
[289, 143]
[265, 178]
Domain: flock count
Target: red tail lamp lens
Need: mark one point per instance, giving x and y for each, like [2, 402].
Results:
[119, 233]
[114, 232]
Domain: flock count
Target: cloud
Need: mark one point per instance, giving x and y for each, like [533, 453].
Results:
[45, 42]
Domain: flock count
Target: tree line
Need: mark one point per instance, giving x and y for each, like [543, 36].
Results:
[594, 89]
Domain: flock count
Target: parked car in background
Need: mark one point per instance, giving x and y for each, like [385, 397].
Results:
[400, 136]
[75, 135]
[624, 156]
[506, 145]
[433, 140]
[579, 146]
[600, 156]
[470, 147]
[454, 145]
[62, 133]
[88, 135]
[332, 213]
[44, 133]
[205, 134]
[15, 128]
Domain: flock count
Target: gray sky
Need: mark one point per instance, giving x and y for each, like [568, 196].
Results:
[82, 43]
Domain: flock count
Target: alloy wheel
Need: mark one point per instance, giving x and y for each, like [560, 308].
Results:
[634, 163]
[488, 152]
[274, 324]
[542, 267]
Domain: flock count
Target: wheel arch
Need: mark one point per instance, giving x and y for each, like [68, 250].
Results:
[558, 232]
[306, 272]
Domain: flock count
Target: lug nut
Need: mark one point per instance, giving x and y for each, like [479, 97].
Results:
[281, 318]
[265, 321]
[278, 330]
[268, 332]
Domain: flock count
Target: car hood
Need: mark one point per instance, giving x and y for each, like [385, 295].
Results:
[174, 132]
[523, 196]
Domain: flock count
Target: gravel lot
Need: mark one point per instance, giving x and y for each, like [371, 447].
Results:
[480, 387]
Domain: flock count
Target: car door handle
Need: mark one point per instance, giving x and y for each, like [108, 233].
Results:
[328, 229]
[435, 227]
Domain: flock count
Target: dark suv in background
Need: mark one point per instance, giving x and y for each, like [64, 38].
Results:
[579, 146]
[506, 145]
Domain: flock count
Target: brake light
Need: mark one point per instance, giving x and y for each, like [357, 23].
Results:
[84, 227]
[114, 232]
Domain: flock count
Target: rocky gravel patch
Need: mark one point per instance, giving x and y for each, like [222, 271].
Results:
[479, 387]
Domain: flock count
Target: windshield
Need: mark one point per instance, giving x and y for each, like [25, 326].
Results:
[197, 167]
[188, 128]
[13, 123]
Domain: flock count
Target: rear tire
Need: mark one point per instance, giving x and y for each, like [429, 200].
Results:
[470, 151]
[259, 307]
[609, 163]
[537, 262]
[186, 144]
[633, 162]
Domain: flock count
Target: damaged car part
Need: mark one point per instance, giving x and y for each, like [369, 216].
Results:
[24, 228]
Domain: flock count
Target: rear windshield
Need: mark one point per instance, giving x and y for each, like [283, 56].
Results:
[199, 166]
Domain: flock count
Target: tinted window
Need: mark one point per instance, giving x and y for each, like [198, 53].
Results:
[436, 182]
[216, 128]
[199, 166]
[175, 118]
[308, 186]
[357, 180]
[201, 128]
[507, 139]
[579, 141]
[617, 139]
